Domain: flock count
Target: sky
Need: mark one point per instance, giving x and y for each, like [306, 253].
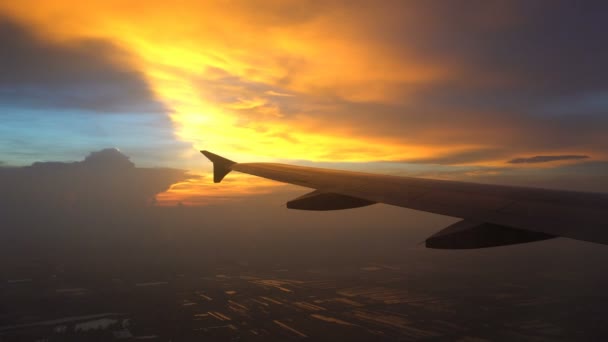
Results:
[508, 92]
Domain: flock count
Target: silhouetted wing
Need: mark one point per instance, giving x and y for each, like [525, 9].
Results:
[493, 215]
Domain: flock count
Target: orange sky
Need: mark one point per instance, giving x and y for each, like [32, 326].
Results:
[180, 47]
[320, 81]
[183, 46]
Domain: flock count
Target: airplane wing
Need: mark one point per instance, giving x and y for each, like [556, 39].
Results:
[492, 215]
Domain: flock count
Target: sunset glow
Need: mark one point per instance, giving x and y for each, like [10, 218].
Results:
[198, 190]
[221, 75]
[328, 82]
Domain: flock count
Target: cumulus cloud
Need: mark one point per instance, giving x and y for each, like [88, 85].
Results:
[545, 159]
[86, 74]
[105, 180]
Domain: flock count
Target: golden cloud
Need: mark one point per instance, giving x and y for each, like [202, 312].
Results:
[282, 48]
[271, 78]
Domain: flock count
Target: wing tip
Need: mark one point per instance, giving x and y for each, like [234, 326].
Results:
[221, 165]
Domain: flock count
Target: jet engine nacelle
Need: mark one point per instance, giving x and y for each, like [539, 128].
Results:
[324, 201]
[467, 235]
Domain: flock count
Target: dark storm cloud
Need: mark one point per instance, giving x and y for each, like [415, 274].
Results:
[104, 181]
[535, 48]
[545, 159]
[520, 75]
[517, 58]
[82, 74]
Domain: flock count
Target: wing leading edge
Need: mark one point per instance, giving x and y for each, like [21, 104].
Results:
[493, 215]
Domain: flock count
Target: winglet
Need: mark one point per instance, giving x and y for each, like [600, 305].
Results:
[221, 166]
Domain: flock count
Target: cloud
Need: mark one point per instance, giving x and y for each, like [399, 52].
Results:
[462, 157]
[274, 93]
[90, 74]
[545, 159]
[105, 180]
[399, 80]
[500, 78]
[531, 50]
